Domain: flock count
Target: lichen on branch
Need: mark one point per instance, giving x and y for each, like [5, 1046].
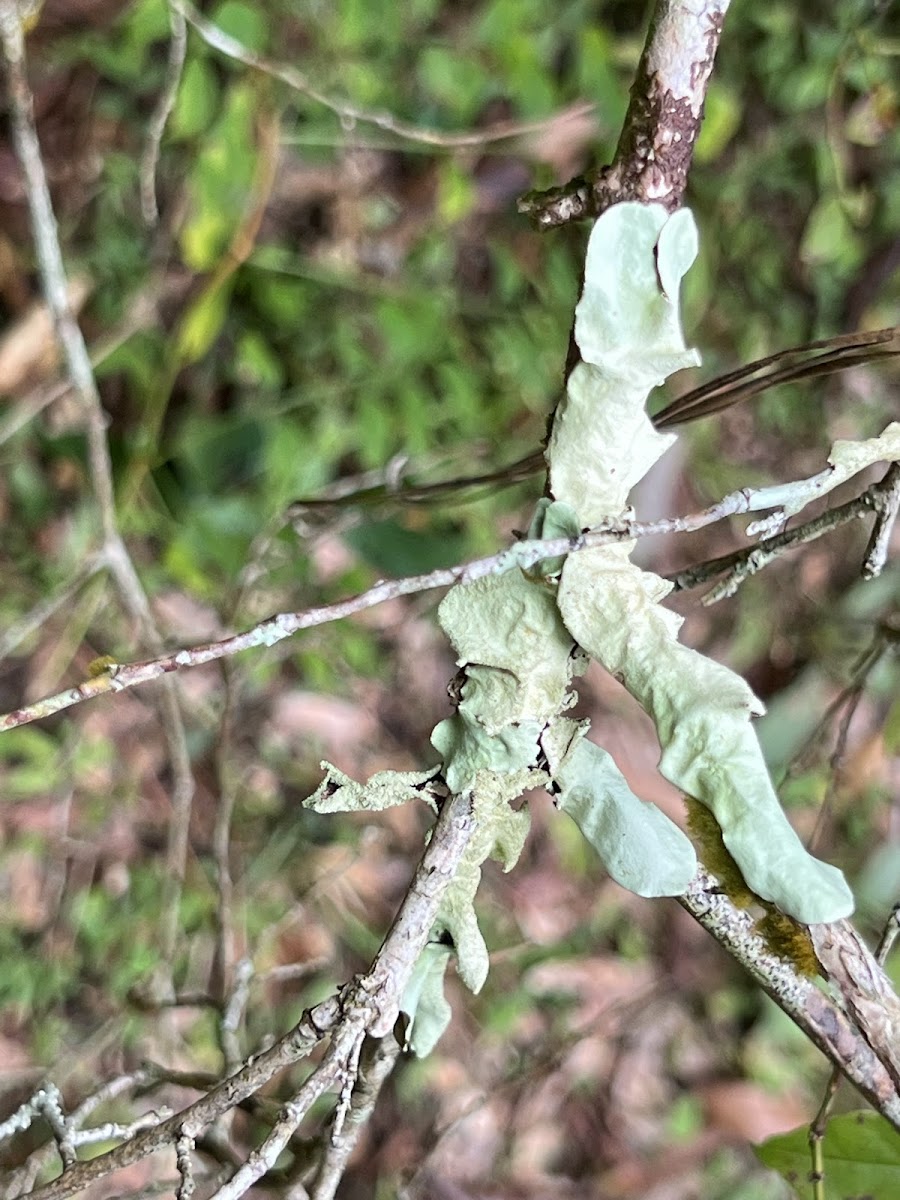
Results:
[522, 635]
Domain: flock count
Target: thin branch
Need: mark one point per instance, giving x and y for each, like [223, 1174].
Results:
[886, 507]
[389, 484]
[263, 1158]
[80, 371]
[178, 834]
[867, 1056]
[349, 114]
[845, 702]
[233, 1014]
[819, 1122]
[221, 845]
[370, 1004]
[741, 564]
[184, 1162]
[20, 1181]
[369, 1083]
[656, 146]
[53, 278]
[41, 613]
[142, 309]
[26, 409]
[824, 357]
[117, 677]
[289, 1049]
[165, 104]
[869, 999]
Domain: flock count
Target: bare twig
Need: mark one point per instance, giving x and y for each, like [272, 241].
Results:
[47, 1103]
[53, 276]
[29, 406]
[80, 371]
[38, 616]
[798, 363]
[370, 1005]
[868, 998]
[233, 1014]
[118, 677]
[815, 359]
[369, 1083]
[178, 835]
[294, 1046]
[67, 1131]
[886, 507]
[349, 113]
[221, 841]
[165, 104]
[661, 126]
[141, 311]
[347, 1081]
[847, 700]
[184, 1150]
[741, 564]
[851, 701]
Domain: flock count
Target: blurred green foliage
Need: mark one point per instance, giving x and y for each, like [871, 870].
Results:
[861, 1155]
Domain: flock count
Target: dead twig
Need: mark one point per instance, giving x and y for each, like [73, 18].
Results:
[349, 113]
[80, 371]
[160, 116]
[656, 146]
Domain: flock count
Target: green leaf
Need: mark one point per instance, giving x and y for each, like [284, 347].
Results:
[459, 81]
[198, 99]
[394, 549]
[244, 22]
[596, 75]
[257, 365]
[721, 120]
[220, 181]
[202, 323]
[456, 193]
[32, 762]
[861, 1154]
[829, 237]
[147, 22]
